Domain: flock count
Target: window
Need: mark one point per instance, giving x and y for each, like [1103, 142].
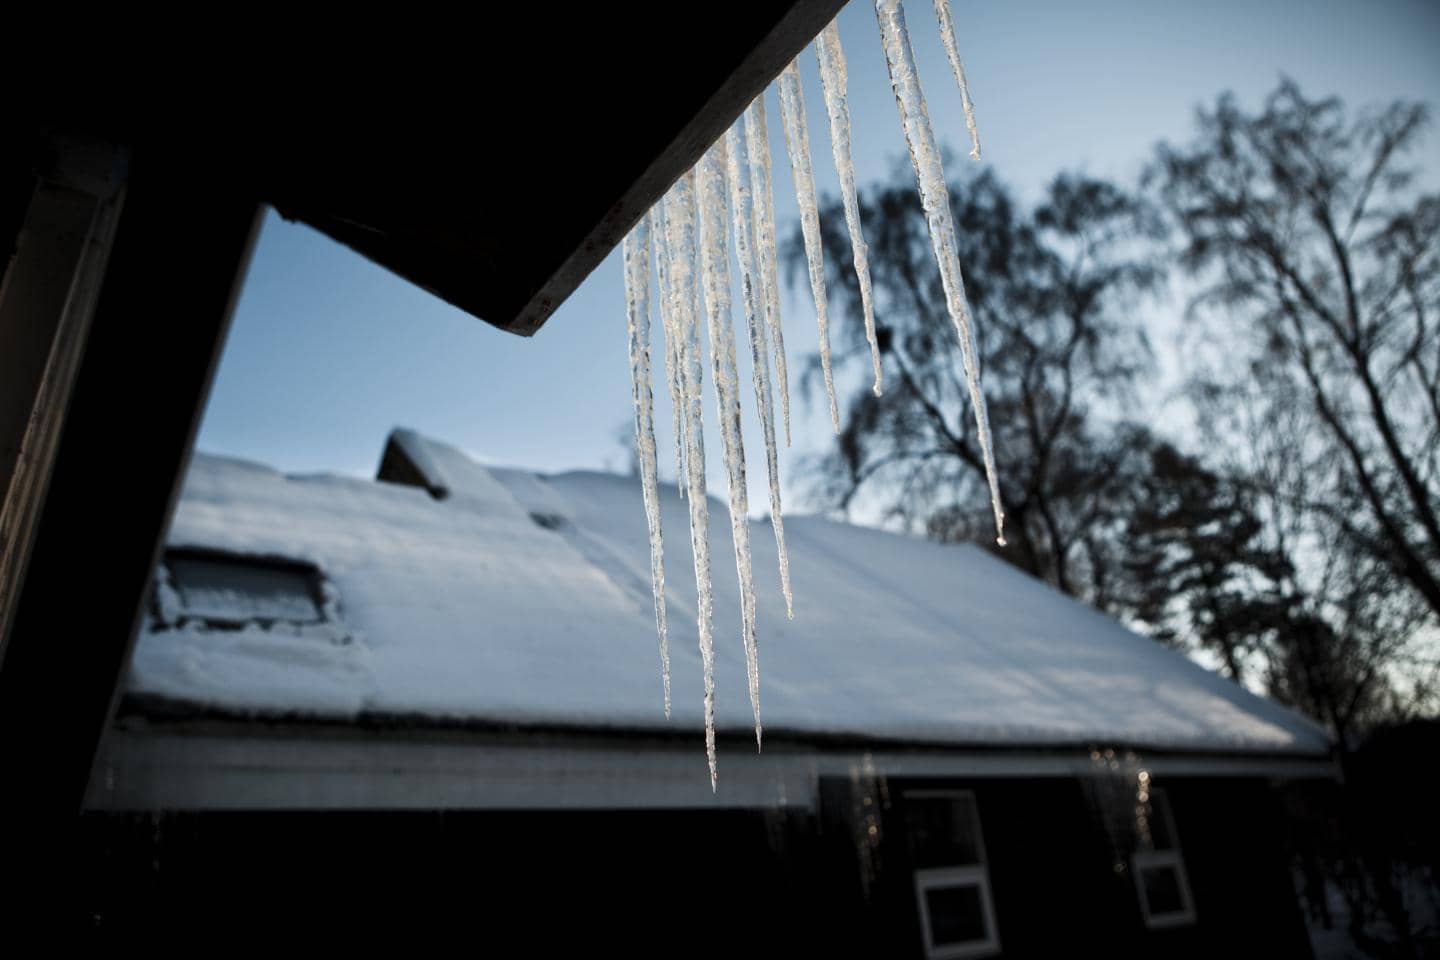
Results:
[1159, 870]
[212, 590]
[952, 884]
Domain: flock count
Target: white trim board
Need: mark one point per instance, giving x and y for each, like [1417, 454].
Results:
[146, 770]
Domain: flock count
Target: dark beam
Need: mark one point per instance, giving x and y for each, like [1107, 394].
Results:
[762, 63]
[493, 167]
[500, 186]
[180, 249]
[46, 301]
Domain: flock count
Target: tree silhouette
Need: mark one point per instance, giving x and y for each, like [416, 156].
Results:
[1324, 265]
[1197, 565]
[1060, 354]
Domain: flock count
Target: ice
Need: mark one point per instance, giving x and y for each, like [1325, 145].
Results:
[672, 340]
[636, 255]
[797, 147]
[745, 218]
[834, 81]
[757, 142]
[930, 179]
[952, 51]
[680, 243]
[714, 257]
[733, 183]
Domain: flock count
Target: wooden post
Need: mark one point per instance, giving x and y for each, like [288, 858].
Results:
[180, 250]
[59, 253]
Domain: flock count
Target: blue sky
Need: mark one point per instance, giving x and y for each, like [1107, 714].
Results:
[328, 352]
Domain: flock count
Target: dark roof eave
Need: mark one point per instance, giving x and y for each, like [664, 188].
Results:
[174, 716]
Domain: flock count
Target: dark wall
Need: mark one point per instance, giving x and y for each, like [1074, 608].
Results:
[506, 884]
[1054, 878]
[694, 883]
[1233, 836]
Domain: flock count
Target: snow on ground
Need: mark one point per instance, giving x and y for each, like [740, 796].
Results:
[470, 608]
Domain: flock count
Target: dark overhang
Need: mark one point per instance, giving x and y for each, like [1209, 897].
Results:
[493, 167]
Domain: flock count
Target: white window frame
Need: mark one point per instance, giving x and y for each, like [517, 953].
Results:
[966, 875]
[1143, 860]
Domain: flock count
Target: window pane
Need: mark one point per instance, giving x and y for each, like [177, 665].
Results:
[237, 591]
[942, 831]
[1162, 890]
[957, 915]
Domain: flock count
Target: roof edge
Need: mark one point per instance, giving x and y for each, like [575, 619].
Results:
[246, 770]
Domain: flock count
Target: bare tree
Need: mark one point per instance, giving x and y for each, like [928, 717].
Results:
[1323, 265]
[1060, 354]
[1349, 646]
[1200, 571]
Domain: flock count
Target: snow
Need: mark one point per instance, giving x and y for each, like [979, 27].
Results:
[935, 198]
[279, 670]
[415, 449]
[467, 608]
[260, 593]
[636, 252]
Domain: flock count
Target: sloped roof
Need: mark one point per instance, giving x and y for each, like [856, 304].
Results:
[472, 608]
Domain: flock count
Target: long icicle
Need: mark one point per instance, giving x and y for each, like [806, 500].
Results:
[834, 80]
[636, 253]
[757, 143]
[680, 243]
[742, 210]
[930, 179]
[797, 148]
[952, 52]
[672, 342]
[715, 259]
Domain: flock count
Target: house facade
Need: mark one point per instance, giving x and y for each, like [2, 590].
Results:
[434, 698]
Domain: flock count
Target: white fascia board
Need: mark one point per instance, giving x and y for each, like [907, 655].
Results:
[147, 770]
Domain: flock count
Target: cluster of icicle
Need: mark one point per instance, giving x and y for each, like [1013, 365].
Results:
[726, 201]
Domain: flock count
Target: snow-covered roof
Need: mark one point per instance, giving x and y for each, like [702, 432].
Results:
[525, 599]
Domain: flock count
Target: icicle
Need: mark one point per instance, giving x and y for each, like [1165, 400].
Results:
[636, 252]
[952, 51]
[930, 178]
[745, 217]
[834, 81]
[680, 243]
[757, 142]
[797, 147]
[714, 257]
[672, 341]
